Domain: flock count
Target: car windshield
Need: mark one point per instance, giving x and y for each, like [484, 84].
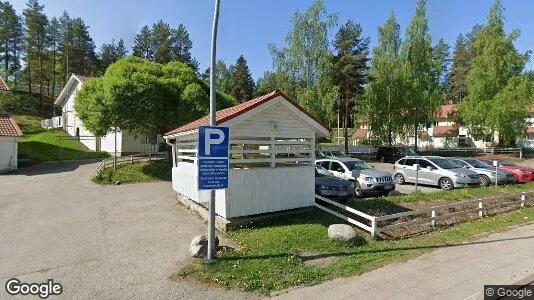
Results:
[409, 152]
[357, 165]
[477, 163]
[322, 172]
[444, 163]
[505, 163]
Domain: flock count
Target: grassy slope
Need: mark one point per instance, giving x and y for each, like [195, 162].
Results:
[136, 172]
[43, 145]
[267, 255]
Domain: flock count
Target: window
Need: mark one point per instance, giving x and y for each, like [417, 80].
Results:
[460, 163]
[335, 166]
[423, 164]
[325, 164]
[410, 162]
[402, 161]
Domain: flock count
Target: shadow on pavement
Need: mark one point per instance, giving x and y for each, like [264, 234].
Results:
[52, 167]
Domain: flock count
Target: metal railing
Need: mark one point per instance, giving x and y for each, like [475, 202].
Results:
[129, 159]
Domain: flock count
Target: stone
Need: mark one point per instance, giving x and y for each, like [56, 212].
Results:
[341, 232]
[199, 246]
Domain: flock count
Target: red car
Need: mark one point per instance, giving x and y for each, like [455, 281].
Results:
[523, 174]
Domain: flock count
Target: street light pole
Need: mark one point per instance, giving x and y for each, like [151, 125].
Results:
[213, 122]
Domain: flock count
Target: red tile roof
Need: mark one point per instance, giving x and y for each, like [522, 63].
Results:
[8, 126]
[360, 134]
[442, 131]
[424, 136]
[446, 110]
[3, 85]
[234, 111]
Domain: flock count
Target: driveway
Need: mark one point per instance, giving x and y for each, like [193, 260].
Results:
[97, 241]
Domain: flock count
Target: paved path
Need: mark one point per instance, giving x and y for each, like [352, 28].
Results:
[458, 272]
[99, 242]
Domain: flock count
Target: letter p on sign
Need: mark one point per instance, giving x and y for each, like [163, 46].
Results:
[213, 141]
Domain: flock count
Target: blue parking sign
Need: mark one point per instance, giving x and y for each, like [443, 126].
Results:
[213, 149]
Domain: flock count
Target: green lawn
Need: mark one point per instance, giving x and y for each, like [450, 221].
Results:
[268, 257]
[136, 172]
[43, 144]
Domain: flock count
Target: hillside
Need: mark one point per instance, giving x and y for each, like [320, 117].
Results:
[40, 144]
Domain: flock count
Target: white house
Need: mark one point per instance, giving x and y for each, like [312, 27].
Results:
[10, 134]
[126, 143]
[272, 155]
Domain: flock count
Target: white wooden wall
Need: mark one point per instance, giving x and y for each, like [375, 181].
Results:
[8, 153]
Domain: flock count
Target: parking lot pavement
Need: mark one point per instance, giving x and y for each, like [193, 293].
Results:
[406, 188]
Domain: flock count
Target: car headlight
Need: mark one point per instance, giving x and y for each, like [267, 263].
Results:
[368, 178]
[461, 175]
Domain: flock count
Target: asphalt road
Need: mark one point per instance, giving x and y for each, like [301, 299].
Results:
[98, 242]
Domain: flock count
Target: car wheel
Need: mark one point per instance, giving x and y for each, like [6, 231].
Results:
[382, 159]
[358, 190]
[399, 179]
[484, 181]
[446, 183]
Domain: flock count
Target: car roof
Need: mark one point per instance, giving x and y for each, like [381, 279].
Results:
[341, 159]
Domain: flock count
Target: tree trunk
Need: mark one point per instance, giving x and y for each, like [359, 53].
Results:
[390, 138]
[41, 82]
[29, 76]
[415, 138]
[346, 124]
[54, 73]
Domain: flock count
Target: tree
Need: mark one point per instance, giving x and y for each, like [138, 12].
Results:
[350, 69]
[223, 77]
[110, 53]
[35, 44]
[10, 39]
[441, 63]
[242, 82]
[161, 42]
[384, 97]
[495, 64]
[144, 97]
[461, 62]
[423, 94]
[307, 62]
[181, 46]
[143, 44]
[54, 39]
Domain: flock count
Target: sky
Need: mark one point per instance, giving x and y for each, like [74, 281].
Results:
[247, 26]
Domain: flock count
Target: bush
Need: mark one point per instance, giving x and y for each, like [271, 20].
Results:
[18, 102]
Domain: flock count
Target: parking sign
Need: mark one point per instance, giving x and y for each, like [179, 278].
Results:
[213, 146]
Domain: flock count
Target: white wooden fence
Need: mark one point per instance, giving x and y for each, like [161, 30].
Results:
[429, 215]
[54, 122]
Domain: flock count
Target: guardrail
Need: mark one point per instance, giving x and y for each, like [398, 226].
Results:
[129, 159]
[372, 224]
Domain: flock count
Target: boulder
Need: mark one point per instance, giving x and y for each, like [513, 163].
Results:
[342, 232]
[199, 246]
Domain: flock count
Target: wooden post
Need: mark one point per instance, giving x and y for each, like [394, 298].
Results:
[433, 222]
[481, 209]
[523, 199]
[272, 149]
[132, 158]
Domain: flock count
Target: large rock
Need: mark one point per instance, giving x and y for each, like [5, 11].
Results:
[342, 232]
[199, 246]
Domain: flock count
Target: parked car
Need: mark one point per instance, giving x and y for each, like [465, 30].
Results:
[487, 173]
[522, 174]
[367, 180]
[332, 153]
[327, 185]
[434, 170]
[392, 154]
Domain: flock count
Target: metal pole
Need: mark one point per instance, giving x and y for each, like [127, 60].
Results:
[115, 155]
[213, 122]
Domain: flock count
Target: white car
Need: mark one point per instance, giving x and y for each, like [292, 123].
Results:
[366, 179]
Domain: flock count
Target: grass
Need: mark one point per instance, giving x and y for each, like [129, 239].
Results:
[267, 257]
[136, 172]
[43, 144]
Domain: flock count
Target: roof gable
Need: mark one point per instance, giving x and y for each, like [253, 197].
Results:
[3, 85]
[8, 126]
[233, 112]
[67, 89]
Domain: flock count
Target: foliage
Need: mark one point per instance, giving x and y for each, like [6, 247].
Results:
[461, 62]
[17, 102]
[242, 82]
[110, 53]
[384, 98]
[10, 40]
[135, 173]
[223, 76]
[496, 61]
[141, 96]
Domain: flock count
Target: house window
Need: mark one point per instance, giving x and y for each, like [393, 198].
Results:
[462, 141]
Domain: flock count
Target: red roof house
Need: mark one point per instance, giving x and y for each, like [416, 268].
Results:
[9, 137]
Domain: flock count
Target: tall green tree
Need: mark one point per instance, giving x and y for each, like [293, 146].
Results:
[384, 98]
[11, 37]
[181, 46]
[110, 53]
[441, 64]
[223, 76]
[461, 62]
[495, 64]
[161, 42]
[54, 40]
[243, 84]
[350, 70]
[35, 44]
[423, 94]
[143, 44]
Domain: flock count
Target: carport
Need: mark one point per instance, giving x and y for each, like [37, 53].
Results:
[272, 154]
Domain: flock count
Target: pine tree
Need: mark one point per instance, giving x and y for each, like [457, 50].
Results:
[54, 39]
[441, 63]
[161, 42]
[143, 44]
[181, 47]
[82, 55]
[110, 53]
[10, 39]
[461, 63]
[350, 69]
[243, 84]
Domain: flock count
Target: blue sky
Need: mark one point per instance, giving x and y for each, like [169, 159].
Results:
[247, 26]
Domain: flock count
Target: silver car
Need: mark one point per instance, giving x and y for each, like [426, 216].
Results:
[434, 170]
[487, 173]
[367, 180]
